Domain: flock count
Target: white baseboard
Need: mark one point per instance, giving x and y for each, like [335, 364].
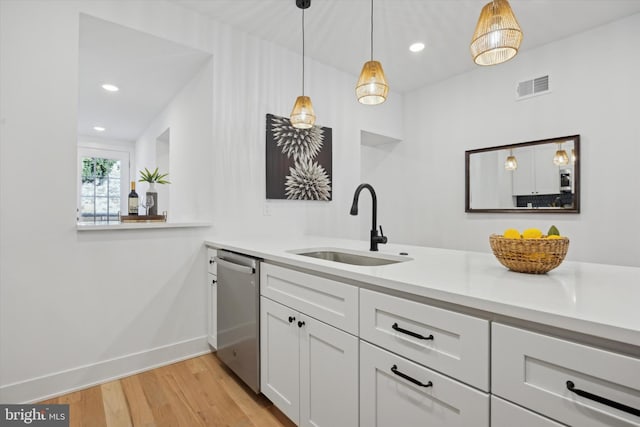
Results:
[58, 383]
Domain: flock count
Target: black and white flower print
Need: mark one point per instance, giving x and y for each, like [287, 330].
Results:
[307, 180]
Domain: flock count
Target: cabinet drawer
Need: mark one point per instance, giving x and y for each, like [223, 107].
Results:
[505, 414]
[388, 399]
[452, 343]
[533, 370]
[213, 267]
[332, 302]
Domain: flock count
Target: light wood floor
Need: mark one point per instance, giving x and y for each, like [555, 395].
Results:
[197, 392]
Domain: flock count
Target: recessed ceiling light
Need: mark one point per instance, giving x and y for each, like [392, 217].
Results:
[110, 88]
[416, 47]
[99, 129]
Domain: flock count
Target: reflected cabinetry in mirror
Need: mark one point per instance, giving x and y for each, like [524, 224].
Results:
[536, 176]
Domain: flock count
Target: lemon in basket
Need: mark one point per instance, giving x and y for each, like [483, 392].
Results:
[531, 233]
[511, 233]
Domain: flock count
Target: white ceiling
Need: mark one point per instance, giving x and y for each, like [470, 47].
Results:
[149, 71]
[337, 31]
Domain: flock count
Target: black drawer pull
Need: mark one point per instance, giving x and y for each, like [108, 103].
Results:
[628, 409]
[291, 319]
[394, 369]
[413, 334]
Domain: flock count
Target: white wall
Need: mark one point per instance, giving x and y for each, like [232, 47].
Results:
[188, 117]
[253, 78]
[76, 308]
[595, 92]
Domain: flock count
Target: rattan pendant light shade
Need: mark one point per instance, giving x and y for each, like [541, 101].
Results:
[511, 163]
[561, 158]
[302, 115]
[372, 87]
[498, 35]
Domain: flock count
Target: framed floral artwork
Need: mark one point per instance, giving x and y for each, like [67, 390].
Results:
[298, 161]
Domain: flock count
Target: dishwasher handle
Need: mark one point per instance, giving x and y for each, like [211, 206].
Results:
[235, 267]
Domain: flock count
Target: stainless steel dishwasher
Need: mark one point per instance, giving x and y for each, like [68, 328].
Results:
[238, 315]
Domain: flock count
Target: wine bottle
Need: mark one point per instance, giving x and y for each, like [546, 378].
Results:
[133, 200]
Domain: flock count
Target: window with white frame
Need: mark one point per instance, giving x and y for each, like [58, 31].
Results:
[103, 185]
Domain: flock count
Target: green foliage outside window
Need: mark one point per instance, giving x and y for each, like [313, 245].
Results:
[96, 169]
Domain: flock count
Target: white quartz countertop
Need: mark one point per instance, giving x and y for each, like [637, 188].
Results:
[594, 299]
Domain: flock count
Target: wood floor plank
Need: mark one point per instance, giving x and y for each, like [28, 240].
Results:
[158, 402]
[93, 408]
[187, 412]
[141, 413]
[115, 404]
[256, 406]
[200, 392]
[74, 400]
[217, 408]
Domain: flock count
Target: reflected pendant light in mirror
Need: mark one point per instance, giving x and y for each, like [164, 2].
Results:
[560, 158]
[498, 35]
[511, 163]
[302, 115]
[372, 87]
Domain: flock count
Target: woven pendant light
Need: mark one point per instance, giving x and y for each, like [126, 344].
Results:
[302, 116]
[560, 158]
[498, 35]
[511, 163]
[372, 87]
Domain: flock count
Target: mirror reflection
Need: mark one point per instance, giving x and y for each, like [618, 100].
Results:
[536, 176]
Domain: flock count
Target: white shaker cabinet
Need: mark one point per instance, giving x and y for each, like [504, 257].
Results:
[212, 298]
[280, 357]
[576, 384]
[536, 173]
[505, 414]
[395, 392]
[309, 369]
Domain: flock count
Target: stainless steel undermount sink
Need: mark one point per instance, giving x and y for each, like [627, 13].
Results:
[351, 257]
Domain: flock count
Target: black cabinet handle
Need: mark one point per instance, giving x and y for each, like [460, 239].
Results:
[413, 334]
[211, 261]
[214, 281]
[628, 409]
[291, 319]
[300, 324]
[394, 369]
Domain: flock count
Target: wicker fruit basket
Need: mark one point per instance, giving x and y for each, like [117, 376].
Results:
[535, 256]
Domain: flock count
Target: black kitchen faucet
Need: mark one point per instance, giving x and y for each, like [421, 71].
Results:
[375, 239]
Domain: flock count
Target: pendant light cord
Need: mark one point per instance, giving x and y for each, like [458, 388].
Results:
[302, 52]
[372, 30]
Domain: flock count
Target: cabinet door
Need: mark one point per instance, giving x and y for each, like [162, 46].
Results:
[389, 397]
[524, 176]
[212, 325]
[211, 264]
[328, 376]
[279, 357]
[546, 172]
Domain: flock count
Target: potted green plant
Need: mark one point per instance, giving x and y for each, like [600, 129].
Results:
[153, 178]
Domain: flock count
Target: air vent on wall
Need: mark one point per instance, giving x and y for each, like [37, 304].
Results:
[533, 87]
